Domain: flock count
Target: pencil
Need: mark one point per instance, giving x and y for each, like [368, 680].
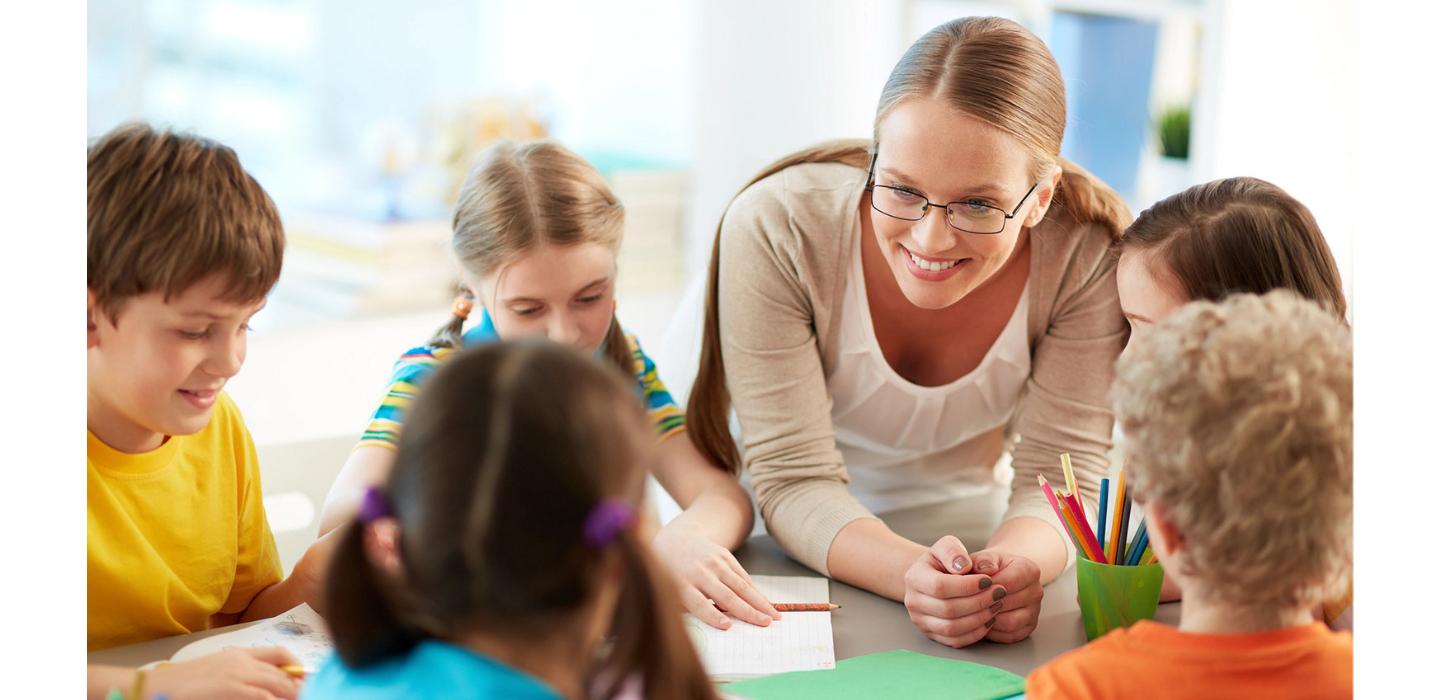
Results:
[294, 670]
[1059, 514]
[1137, 545]
[1069, 473]
[1120, 549]
[1100, 516]
[1084, 524]
[1117, 499]
[805, 607]
[1074, 526]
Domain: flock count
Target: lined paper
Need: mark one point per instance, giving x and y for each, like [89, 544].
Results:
[798, 641]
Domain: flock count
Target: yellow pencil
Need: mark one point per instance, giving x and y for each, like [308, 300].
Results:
[294, 670]
[1069, 475]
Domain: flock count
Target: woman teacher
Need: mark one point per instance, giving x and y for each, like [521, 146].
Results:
[886, 317]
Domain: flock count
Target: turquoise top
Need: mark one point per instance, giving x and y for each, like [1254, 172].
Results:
[433, 669]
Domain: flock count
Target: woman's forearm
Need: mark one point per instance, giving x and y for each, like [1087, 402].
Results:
[1035, 540]
[868, 554]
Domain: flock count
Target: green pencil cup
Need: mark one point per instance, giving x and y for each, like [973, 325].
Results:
[1116, 596]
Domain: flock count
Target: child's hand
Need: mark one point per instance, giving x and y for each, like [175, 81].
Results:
[244, 674]
[1020, 578]
[708, 572]
[309, 572]
[946, 600]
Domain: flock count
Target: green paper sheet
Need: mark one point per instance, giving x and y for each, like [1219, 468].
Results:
[888, 674]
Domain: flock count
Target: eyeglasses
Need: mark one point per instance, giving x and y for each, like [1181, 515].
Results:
[970, 216]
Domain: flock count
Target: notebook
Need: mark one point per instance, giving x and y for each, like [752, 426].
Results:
[300, 630]
[799, 641]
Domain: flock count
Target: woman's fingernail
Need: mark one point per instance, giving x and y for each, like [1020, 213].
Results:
[996, 607]
[960, 564]
[999, 592]
[985, 566]
[985, 583]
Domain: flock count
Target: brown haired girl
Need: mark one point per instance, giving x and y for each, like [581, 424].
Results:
[1237, 235]
[433, 594]
[886, 316]
[536, 233]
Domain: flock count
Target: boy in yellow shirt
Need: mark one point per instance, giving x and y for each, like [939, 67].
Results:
[183, 246]
[1237, 424]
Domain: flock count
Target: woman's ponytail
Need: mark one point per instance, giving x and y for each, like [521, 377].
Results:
[362, 618]
[1087, 200]
[707, 414]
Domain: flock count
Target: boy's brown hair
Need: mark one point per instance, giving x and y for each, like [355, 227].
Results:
[1237, 421]
[166, 210]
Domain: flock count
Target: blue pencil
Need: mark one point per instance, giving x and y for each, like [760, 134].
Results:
[1142, 539]
[1100, 524]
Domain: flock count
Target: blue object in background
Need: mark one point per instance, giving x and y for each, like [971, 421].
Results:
[1107, 64]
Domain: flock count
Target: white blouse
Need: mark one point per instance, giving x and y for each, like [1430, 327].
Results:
[908, 445]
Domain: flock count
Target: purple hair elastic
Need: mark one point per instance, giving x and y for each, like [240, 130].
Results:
[606, 520]
[374, 506]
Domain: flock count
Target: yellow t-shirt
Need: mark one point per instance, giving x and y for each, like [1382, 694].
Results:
[177, 534]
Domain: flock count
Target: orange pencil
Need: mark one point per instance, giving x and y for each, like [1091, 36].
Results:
[1110, 544]
[805, 607]
[294, 670]
[1059, 514]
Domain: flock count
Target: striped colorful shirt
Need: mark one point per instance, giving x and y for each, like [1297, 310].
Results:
[417, 363]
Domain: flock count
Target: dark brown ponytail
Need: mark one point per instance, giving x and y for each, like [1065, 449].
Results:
[650, 638]
[707, 413]
[361, 614]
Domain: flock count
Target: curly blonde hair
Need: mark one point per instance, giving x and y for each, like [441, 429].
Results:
[1237, 422]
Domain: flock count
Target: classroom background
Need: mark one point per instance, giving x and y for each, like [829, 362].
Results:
[361, 117]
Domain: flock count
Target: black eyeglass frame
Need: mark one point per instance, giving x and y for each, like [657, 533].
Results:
[870, 187]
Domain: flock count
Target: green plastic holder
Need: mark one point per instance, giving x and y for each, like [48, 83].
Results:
[1116, 596]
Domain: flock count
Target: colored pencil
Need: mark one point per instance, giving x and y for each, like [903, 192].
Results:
[1100, 516]
[1138, 545]
[1150, 557]
[294, 670]
[1120, 549]
[1059, 513]
[1117, 499]
[805, 607]
[1069, 473]
[1074, 526]
[1078, 511]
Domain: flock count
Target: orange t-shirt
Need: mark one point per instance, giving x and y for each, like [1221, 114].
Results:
[1152, 660]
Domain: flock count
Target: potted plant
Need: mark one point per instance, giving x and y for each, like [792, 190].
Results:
[1173, 129]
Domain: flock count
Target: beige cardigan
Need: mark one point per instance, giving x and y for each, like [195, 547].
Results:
[785, 245]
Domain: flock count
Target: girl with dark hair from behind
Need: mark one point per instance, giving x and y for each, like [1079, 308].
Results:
[501, 557]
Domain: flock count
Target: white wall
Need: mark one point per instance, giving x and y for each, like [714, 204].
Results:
[1279, 109]
[778, 77]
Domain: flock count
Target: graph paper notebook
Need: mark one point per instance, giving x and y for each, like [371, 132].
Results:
[799, 641]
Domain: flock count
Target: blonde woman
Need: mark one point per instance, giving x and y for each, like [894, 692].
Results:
[885, 316]
[536, 231]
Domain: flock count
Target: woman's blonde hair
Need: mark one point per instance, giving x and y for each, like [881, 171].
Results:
[987, 67]
[1237, 423]
[519, 197]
